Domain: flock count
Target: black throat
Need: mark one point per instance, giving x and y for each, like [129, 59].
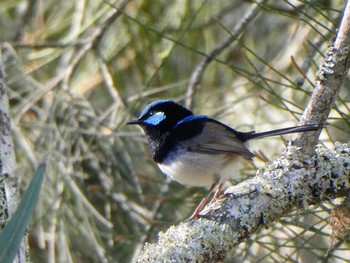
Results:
[160, 143]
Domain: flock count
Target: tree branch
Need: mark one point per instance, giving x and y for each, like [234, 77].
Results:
[292, 181]
[330, 79]
[9, 197]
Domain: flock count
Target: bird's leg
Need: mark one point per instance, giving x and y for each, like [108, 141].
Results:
[204, 201]
[217, 193]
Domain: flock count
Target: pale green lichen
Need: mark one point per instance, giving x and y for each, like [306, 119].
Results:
[296, 173]
[3, 200]
[293, 180]
[333, 57]
[190, 242]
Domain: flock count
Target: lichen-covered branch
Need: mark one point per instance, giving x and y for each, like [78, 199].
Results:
[292, 181]
[9, 197]
[330, 78]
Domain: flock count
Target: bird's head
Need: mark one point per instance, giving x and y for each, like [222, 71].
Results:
[161, 116]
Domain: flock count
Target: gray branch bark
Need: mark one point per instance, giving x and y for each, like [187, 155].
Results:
[302, 176]
[292, 181]
[8, 178]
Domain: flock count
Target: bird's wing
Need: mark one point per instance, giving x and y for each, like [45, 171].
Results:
[216, 138]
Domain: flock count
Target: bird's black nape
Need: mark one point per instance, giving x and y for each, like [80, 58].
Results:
[163, 115]
[245, 136]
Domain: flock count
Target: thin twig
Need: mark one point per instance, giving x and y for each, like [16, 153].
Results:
[197, 75]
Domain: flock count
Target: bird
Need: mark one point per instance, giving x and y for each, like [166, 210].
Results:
[197, 150]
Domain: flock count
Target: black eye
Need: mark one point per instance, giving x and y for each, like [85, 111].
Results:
[151, 113]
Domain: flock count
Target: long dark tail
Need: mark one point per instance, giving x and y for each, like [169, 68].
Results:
[252, 135]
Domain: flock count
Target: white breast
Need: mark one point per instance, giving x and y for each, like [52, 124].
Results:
[199, 169]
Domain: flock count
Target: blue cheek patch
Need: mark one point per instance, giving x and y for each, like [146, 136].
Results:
[155, 119]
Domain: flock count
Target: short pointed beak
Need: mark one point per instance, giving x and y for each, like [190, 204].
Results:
[133, 122]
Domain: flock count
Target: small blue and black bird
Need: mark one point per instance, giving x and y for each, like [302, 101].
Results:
[196, 150]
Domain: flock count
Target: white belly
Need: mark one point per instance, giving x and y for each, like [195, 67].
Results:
[198, 169]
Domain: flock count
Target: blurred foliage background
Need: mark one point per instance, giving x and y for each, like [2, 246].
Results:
[78, 70]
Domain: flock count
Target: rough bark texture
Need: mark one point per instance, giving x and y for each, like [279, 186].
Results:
[8, 178]
[330, 78]
[293, 181]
